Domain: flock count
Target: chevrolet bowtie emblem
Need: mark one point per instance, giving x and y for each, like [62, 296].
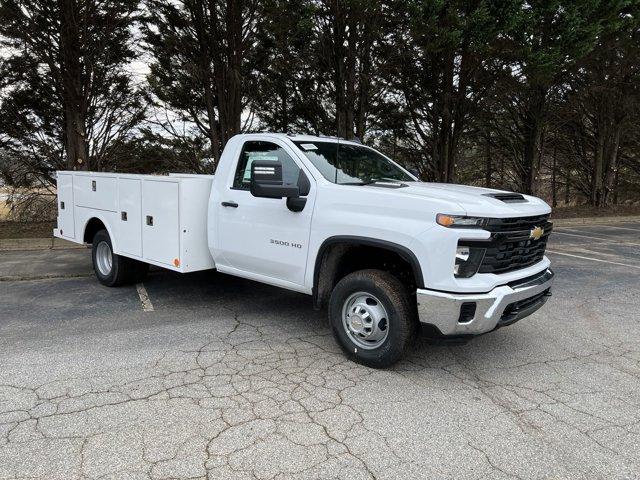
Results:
[536, 233]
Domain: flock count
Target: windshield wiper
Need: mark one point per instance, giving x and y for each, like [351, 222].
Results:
[364, 182]
[358, 183]
[380, 182]
[372, 181]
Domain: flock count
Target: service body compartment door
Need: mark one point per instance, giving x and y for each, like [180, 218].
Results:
[160, 221]
[130, 216]
[66, 224]
[96, 191]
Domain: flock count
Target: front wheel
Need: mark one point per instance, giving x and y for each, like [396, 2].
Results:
[372, 317]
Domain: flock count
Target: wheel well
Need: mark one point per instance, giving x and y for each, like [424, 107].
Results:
[338, 258]
[93, 226]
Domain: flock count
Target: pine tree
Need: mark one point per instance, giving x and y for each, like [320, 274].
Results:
[65, 80]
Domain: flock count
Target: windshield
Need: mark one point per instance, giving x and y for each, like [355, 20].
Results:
[351, 164]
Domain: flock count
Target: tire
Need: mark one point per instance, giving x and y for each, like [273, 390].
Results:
[118, 270]
[372, 317]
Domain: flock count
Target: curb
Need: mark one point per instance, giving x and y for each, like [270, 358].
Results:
[51, 243]
[53, 276]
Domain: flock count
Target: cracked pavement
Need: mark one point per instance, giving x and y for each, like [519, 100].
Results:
[228, 379]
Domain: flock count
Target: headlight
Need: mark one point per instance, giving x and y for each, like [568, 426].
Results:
[457, 221]
[468, 261]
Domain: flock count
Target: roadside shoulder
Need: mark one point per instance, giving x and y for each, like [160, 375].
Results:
[564, 222]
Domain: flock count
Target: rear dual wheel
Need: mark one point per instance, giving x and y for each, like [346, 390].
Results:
[111, 269]
[372, 317]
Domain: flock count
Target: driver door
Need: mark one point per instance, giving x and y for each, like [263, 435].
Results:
[261, 238]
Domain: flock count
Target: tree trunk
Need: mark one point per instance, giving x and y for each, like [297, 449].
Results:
[339, 73]
[228, 73]
[615, 187]
[554, 196]
[598, 167]
[363, 99]
[612, 167]
[488, 162]
[214, 138]
[532, 137]
[531, 155]
[76, 146]
[363, 91]
[284, 117]
[235, 72]
[350, 90]
[198, 17]
[443, 140]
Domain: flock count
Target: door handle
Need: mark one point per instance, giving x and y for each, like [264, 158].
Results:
[230, 204]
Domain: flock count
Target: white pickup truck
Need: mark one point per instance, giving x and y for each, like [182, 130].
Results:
[333, 219]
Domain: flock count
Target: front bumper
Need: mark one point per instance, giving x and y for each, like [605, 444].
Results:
[473, 314]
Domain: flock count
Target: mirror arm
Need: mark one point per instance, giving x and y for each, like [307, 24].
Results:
[296, 204]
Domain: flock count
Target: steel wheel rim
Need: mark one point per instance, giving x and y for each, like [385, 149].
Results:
[104, 258]
[365, 320]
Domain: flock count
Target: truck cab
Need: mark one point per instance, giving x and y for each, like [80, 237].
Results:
[385, 253]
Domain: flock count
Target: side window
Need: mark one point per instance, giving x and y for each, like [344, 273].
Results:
[254, 150]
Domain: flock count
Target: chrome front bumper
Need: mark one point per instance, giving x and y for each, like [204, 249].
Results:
[493, 309]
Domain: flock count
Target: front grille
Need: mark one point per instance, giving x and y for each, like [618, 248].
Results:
[516, 224]
[511, 246]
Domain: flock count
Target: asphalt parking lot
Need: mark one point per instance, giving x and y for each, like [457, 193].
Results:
[217, 377]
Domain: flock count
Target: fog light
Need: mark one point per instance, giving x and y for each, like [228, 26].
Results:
[462, 254]
[468, 261]
[467, 312]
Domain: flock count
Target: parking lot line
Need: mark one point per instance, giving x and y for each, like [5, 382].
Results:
[606, 239]
[620, 228]
[593, 259]
[147, 306]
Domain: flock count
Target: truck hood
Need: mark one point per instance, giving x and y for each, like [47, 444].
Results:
[475, 201]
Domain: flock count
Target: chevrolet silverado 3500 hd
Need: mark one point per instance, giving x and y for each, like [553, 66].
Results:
[330, 218]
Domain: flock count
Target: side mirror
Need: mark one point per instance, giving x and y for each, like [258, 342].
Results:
[266, 181]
